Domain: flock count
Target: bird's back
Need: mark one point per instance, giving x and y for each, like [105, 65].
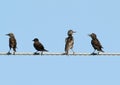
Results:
[38, 46]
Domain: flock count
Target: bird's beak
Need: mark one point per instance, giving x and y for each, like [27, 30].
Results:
[33, 40]
[74, 31]
[89, 35]
[7, 34]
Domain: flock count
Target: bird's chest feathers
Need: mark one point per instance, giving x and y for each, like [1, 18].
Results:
[12, 41]
[70, 41]
[36, 43]
[94, 42]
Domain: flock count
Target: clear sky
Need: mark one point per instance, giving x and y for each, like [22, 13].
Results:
[49, 20]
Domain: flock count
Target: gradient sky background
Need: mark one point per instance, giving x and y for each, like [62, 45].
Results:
[49, 20]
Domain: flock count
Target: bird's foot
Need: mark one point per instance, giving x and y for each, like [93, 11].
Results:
[73, 53]
[41, 53]
[36, 53]
[13, 53]
[64, 53]
[94, 53]
[9, 53]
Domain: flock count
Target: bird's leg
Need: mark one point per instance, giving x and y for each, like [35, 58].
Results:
[98, 52]
[36, 53]
[9, 52]
[42, 53]
[14, 50]
[94, 50]
[14, 53]
[93, 53]
[66, 53]
[73, 51]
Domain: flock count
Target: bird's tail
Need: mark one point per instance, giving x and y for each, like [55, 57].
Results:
[102, 51]
[45, 50]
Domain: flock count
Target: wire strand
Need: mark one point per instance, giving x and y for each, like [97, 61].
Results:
[60, 54]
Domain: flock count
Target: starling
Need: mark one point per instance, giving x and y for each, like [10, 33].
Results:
[12, 42]
[38, 46]
[69, 42]
[96, 43]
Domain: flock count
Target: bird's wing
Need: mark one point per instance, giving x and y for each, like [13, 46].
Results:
[69, 44]
[12, 42]
[15, 43]
[96, 44]
[38, 46]
[99, 43]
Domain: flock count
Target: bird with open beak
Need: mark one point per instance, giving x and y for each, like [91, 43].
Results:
[69, 42]
[96, 44]
[12, 43]
[38, 46]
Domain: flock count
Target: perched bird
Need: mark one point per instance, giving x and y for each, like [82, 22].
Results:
[12, 42]
[96, 43]
[38, 46]
[69, 42]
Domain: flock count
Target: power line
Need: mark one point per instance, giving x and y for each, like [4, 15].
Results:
[59, 54]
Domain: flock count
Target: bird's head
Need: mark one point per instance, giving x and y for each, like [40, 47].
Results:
[93, 35]
[70, 32]
[10, 35]
[35, 39]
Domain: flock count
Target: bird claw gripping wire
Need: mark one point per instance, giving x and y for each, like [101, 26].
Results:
[94, 53]
[9, 53]
[36, 53]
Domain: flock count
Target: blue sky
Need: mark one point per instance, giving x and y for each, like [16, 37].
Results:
[49, 20]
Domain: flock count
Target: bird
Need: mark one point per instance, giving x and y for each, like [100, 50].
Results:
[12, 43]
[69, 42]
[95, 43]
[38, 46]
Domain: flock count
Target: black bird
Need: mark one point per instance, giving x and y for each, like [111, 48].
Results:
[69, 42]
[12, 42]
[38, 46]
[96, 43]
